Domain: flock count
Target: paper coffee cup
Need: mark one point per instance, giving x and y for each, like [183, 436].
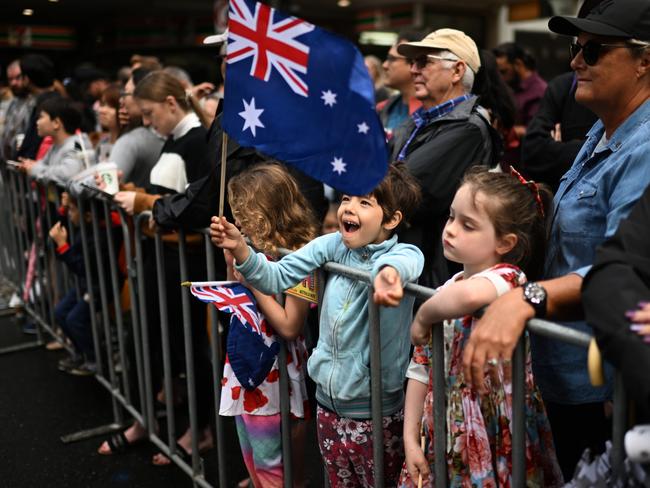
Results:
[108, 174]
[19, 141]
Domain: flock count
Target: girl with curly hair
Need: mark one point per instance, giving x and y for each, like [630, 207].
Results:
[271, 211]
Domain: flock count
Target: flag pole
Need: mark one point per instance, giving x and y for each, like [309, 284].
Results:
[224, 152]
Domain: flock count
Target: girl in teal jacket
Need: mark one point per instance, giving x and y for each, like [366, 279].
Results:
[340, 363]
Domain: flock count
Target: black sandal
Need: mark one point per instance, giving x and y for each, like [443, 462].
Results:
[118, 443]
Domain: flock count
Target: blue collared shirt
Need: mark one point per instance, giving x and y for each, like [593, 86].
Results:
[422, 116]
[599, 190]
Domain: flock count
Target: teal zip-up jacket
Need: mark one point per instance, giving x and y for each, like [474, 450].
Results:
[340, 363]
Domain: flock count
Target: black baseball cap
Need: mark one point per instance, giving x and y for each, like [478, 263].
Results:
[629, 19]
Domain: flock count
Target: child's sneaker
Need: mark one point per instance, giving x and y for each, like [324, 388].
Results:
[69, 363]
[15, 301]
[84, 369]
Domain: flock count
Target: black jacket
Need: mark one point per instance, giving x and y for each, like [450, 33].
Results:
[542, 157]
[200, 201]
[618, 281]
[438, 156]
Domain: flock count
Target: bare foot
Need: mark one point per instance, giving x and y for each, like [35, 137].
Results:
[206, 443]
[133, 434]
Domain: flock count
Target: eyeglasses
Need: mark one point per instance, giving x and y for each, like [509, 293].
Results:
[421, 61]
[591, 50]
[391, 59]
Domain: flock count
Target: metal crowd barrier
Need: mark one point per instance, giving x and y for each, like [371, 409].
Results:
[26, 218]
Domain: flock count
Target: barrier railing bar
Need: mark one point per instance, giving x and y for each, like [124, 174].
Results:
[47, 282]
[285, 411]
[121, 399]
[439, 408]
[117, 302]
[49, 250]
[13, 228]
[91, 293]
[217, 368]
[197, 464]
[131, 276]
[33, 314]
[560, 332]
[17, 218]
[138, 222]
[24, 346]
[164, 330]
[37, 290]
[518, 414]
[82, 435]
[24, 227]
[103, 293]
[374, 336]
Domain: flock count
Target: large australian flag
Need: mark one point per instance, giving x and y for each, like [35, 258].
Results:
[302, 95]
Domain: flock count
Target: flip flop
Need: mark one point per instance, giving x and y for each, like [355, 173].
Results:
[118, 443]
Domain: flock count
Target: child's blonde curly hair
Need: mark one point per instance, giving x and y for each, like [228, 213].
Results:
[271, 210]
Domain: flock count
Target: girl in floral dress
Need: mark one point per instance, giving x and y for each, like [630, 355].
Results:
[271, 211]
[497, 225]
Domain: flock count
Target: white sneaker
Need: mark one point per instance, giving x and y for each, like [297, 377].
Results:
[15, 301]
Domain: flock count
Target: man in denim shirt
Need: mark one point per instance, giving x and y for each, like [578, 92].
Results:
[612, 65]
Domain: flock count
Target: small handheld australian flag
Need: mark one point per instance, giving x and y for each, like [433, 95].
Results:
[302, 95]
[250, 357]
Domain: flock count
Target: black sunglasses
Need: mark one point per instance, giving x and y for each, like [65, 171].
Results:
[422, 61]
[591, 50]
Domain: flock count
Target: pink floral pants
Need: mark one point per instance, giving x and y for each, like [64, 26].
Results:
[346, 447]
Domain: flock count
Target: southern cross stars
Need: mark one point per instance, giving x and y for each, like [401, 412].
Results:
[363, 128]
[251, 116]
[329, 98]
[338, 165]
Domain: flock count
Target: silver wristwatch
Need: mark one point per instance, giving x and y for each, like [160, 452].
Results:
[535, 295]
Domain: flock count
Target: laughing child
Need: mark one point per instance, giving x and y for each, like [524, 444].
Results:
[340, 363]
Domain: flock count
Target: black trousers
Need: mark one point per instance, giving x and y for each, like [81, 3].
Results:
[202, 364]
[575, 428]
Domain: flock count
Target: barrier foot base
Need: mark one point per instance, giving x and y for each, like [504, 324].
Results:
[88, 433]
[5, 312]
[20, 347]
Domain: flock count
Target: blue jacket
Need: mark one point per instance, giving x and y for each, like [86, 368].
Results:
[597, 192]
[340, 363]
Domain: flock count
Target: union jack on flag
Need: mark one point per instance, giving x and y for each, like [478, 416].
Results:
[230, 297]
[302, 95]
[272, 43]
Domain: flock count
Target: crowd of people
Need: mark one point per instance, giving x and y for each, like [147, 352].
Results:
[506, 193]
